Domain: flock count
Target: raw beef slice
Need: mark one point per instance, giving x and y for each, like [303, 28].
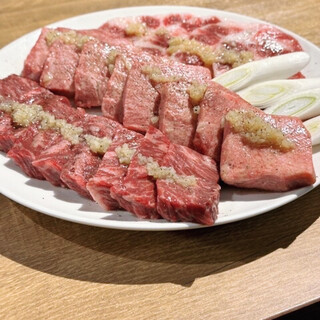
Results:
[29, 146]
[246, 165]
[194, 203]
[59, 68]
[137, 192]
[35, 60]
[213, 108]
[79, 169]
[111, 171]
[91, 75]
[176, 117]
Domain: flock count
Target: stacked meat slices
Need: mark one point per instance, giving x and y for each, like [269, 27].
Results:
[252, 165]
[121, 178]
[46, 154]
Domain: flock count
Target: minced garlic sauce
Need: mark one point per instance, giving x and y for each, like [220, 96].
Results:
[166, 173]
[111, 59]
[162, 32]
[96, 144]
[24, 115]
[257, 131]
[196, 92]
[204, 52]
[155, 74]
[136, 29]
[67, 37]
[232, 57]
[207, 54]
[125, 153]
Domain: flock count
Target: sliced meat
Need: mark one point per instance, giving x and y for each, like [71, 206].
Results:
[59, 68]
[246, 165]
[141, 95]
[213, 108]
[99, 126]
[270, 41]
[58, 106]
[212, 34]
[35, 60]
[106, 37]
[9, 134]
[52, 159]
[193, 202]
[22, 90]
[15, 87]
[187, 73]
[176, 117]
[140, 101]
[91, 75]
[29, 146]
[6, 132]
[136, 192]
[127, 55]
[79, 169]
[112, 101]
[111, 170]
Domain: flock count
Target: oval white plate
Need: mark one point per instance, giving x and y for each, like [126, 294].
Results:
[235, 204]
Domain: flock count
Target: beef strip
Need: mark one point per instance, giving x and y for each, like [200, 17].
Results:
[141, 95]
[36, 58]
[16, 88]
[176, 117]
[79, 169]
[140, 100]
[136, 192]
[246, 165]
[52, 159]
[29, 146]
[112, 101]
[111, 170]
[194, 203]
[213, 108]
[59, 68]
[91, 75]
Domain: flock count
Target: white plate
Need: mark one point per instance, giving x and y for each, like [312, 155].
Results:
[235, 204]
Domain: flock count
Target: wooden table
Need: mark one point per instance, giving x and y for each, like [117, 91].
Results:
[253, 269]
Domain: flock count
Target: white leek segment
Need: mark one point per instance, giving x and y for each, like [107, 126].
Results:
[266, 94]
[313, 126]
[278, 67]
[304, 105]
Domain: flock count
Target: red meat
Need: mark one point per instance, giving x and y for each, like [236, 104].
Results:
[112, 101]
[79, 169]
[213, 108]
[137, 192]
[29, 146]
[248, 166]
[176, 117]
[59, 68]
[35, 60]
[91, 75]
[111, 171]
[195, 203]
[52, 159]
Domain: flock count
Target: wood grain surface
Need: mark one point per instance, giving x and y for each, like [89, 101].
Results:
[253, 269]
